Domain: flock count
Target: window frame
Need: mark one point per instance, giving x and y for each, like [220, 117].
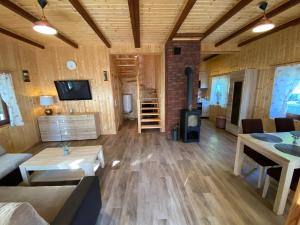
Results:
[279, 70]
[5, 110]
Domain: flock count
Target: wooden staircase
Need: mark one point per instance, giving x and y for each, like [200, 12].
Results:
[149, 110]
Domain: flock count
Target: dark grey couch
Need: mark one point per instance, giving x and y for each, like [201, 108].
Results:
[83, 206]
[60, 205]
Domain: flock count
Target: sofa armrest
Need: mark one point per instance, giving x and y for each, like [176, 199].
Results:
[83, 206]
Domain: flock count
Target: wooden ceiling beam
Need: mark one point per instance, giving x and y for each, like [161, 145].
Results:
[134, 10]
[20, 38]
[188, 35]
[276, 29]
[187, 8]
[238, 7]
[26, 15]
[274, 12]
[209, 48]
[210, 57]
[85, 15]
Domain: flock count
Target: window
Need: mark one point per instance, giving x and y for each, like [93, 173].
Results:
[7, 93]
[219, 91]
[4, 117]
[286, 92]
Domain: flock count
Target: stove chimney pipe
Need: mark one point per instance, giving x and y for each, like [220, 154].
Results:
[189, 73]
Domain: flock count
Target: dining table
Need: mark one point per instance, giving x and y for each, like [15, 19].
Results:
[289, 161]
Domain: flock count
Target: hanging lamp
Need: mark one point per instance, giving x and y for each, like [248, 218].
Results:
[265, 24]
[42, 26]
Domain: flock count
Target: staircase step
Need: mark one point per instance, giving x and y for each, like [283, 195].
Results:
[151, 120]
[150, 126]
[149, 103]
[150, 108]
[150, 114]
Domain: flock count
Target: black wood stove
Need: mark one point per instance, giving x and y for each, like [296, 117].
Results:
[190, 121]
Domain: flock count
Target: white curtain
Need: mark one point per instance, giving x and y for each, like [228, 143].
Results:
[7, 93]
[219, 91]
[286, 80]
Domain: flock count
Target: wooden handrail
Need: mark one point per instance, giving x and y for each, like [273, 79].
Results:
[138, 100]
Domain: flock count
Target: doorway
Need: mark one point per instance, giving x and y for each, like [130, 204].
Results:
[236, 102]
[136, 81]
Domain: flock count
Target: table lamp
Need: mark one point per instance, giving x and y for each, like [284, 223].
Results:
[47, 101]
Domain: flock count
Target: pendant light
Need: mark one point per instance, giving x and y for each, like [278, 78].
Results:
[265, 24]
[42, 26]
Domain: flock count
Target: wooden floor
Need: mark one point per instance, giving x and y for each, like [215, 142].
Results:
[149, 180]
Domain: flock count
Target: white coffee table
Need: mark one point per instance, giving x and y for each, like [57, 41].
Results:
[85, 158]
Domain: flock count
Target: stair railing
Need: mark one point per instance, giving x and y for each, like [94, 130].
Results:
[138, 94]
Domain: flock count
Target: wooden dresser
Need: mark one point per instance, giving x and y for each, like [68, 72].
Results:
[67, 127]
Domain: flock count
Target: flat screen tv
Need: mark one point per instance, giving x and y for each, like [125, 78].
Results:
[69, 90]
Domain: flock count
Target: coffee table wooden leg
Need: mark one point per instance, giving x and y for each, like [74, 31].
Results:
[25, 175]
[88, 169]
[283, 189]
[239, 156]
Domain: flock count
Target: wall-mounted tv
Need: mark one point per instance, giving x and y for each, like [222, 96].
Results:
[69, 90]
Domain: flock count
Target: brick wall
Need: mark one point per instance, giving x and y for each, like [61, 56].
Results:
[176, 81]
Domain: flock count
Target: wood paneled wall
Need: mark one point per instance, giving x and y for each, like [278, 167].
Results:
[15, 57]
[47, 65]
[91, 61]
[149, 71]
[280, 48]
[117, 92]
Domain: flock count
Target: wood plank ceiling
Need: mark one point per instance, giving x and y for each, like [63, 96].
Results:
[157, 20]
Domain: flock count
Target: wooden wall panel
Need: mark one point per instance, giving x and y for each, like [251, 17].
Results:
[48, 65]
[280, 48]
[149, 71]
[91, 62]
[14, 57]
[117, 93]
[128, 48]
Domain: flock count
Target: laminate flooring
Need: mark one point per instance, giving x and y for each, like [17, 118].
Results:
[149, 180]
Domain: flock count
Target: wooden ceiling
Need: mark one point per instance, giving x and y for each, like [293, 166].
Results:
[157, 19]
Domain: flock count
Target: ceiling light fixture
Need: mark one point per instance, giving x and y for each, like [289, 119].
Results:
[265, 24]
[43, 26]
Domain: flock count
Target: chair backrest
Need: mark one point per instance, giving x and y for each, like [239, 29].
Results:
[284, 124]
[252, 126]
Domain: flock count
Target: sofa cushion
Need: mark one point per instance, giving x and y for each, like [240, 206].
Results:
[17, 213]
[46, 200]
[2, 150]
[9, 162]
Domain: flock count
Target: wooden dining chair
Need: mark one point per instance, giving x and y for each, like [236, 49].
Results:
[284, 124]
[275, 173]
[256, 126]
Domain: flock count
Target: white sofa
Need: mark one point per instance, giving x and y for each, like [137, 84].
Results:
[10, 162]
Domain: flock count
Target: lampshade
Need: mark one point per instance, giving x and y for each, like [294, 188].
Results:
[46, 100]
[263, 26]
[44, 27]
